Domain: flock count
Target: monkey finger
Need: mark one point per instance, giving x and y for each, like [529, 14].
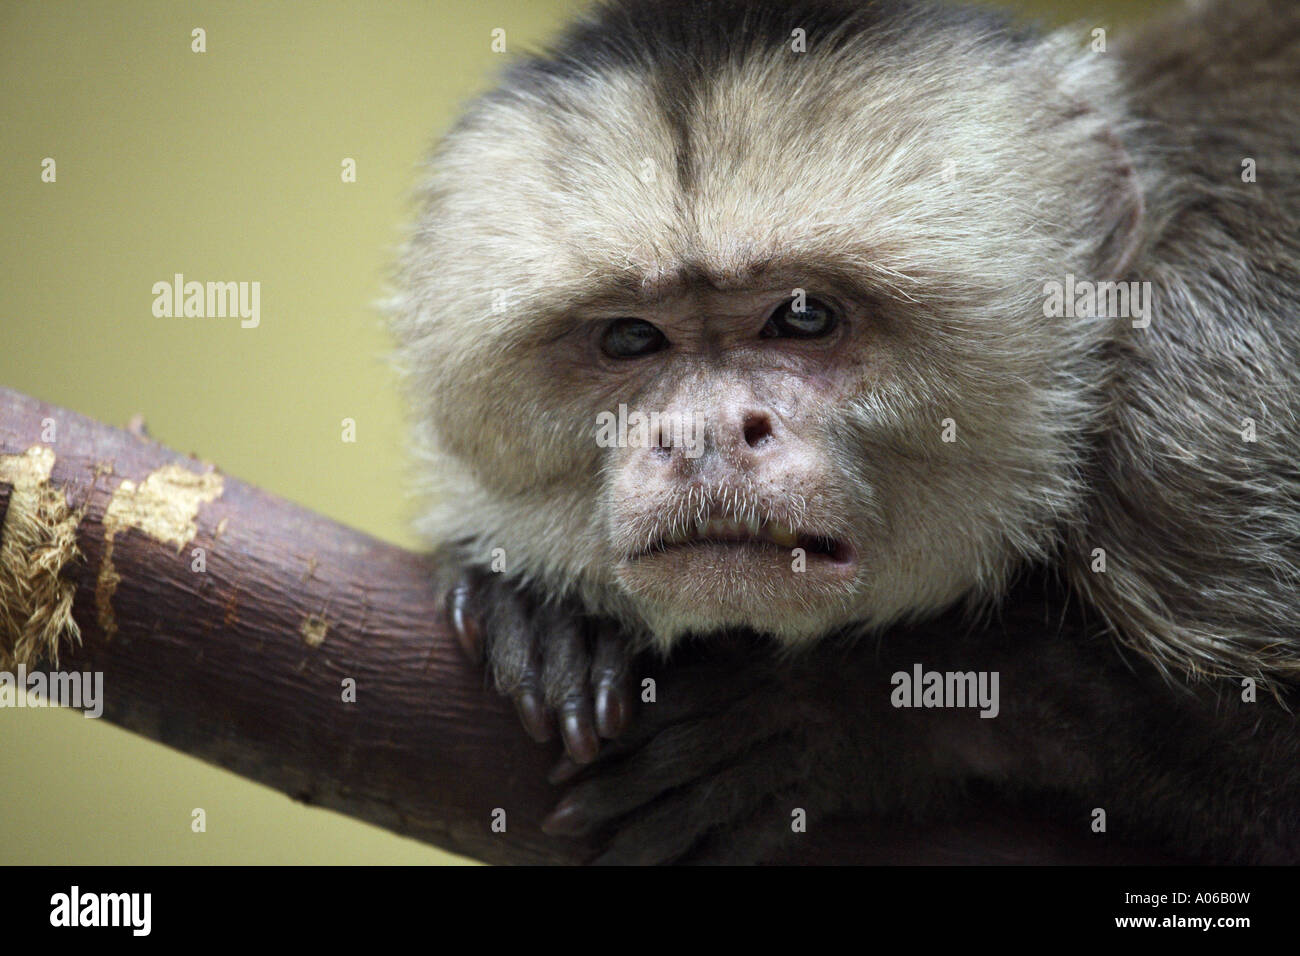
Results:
[516, 662]
[534, 715]
[464, 617]
[689, 695]
[564, 771]
[683, 820]
[565, 670]
[578, 729]
[612, 681]
[677, 756]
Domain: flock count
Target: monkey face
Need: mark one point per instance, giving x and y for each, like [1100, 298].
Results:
[723, 505]
[713, 451]
[598, 247]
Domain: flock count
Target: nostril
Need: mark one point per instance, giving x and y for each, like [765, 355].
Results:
[758, 428]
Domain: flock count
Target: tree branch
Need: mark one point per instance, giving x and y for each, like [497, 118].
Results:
[243, 663]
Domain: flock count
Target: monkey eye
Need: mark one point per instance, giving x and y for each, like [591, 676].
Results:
[814, 319]
[631, 338]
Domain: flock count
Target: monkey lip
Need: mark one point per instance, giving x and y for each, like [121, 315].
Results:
[753, 533]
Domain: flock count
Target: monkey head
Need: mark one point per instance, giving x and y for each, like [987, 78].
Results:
[715, 329]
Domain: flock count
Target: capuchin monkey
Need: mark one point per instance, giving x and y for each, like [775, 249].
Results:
[865, 344]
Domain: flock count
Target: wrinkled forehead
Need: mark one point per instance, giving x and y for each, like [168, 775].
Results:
[639, 178]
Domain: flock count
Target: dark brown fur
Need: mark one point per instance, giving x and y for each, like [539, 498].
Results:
[1078, 437]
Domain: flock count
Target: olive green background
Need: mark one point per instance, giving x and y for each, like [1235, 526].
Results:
[224, 165]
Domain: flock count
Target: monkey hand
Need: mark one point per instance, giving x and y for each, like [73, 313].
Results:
[559, 666]
[722, 768]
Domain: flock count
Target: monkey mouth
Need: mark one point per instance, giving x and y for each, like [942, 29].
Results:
[752, 533]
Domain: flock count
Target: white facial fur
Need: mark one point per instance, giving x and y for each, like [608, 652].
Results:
[930, 184]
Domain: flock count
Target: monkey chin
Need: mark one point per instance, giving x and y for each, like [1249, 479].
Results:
[709, 586]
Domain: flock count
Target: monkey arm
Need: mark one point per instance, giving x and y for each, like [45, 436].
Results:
[1105, 760]
[228, 624]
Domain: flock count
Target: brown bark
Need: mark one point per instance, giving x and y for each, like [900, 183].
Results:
[231, 665]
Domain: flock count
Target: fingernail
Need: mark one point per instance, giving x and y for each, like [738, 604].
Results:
[564, 820]
[580, 738]
[533, 715]
[465, 625]
[611, 711]
[563, 771]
